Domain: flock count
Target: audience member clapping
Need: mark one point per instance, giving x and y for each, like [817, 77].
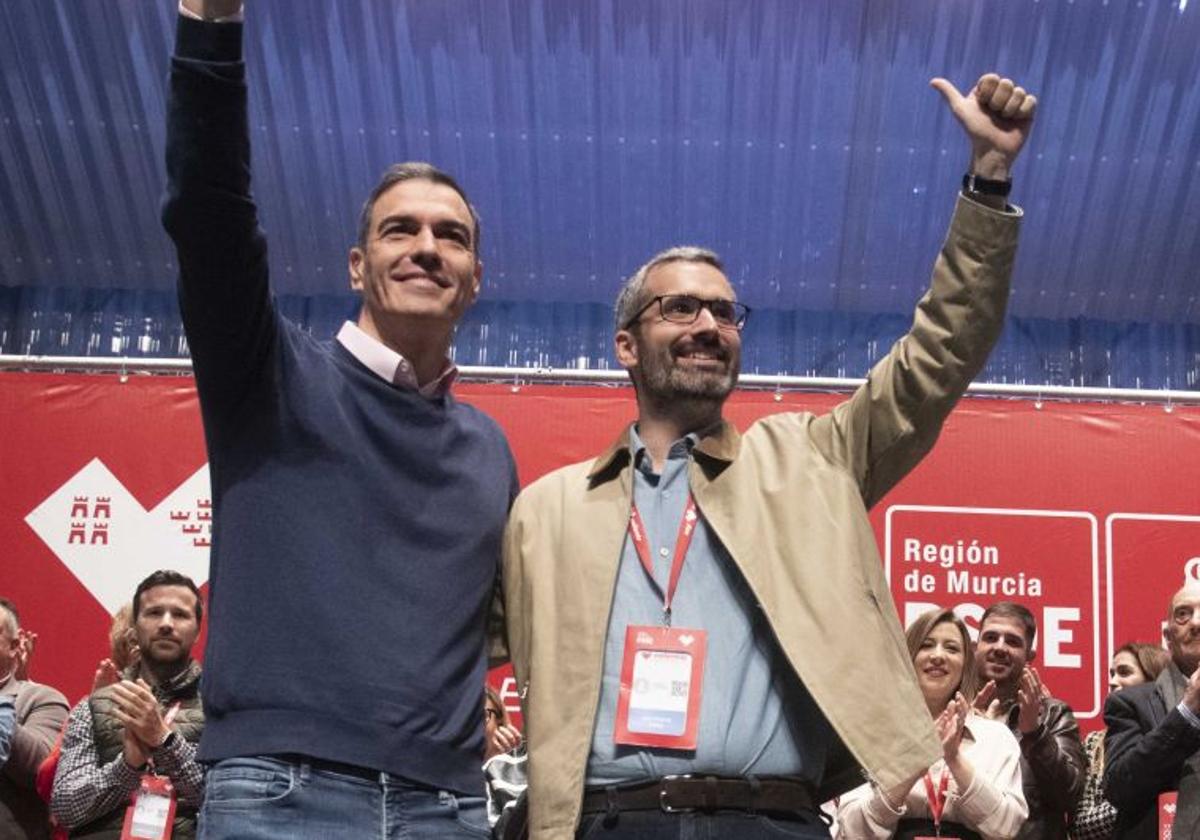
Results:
[124, 652]
[1152, 748]
[975, 790]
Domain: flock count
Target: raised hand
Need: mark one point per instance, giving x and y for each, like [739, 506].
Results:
[137, 709]
[997, 116]
[1030, 697]
[506, 739]
[26, 642]
[949, 725]
[987, 701]
[1191, 692]
[106, 674]
[213, 9]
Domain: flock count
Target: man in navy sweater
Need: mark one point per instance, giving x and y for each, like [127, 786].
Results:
[358, 506]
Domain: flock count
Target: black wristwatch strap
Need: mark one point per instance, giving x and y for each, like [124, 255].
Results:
[972, 183]
[168, 742]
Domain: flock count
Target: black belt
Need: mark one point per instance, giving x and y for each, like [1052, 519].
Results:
[771, 794]
[909, 828]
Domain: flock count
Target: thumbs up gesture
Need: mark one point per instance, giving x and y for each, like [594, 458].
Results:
[997, 116]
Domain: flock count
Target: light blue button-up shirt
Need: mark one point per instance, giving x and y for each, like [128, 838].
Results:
[756, 718]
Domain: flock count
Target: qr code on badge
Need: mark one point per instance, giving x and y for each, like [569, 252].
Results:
[679, 688]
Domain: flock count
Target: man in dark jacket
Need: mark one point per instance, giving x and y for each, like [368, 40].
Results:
[1053, 768]
[150, 720]
[1153, 741]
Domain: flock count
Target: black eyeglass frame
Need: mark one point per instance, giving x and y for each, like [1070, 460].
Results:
[740, 310]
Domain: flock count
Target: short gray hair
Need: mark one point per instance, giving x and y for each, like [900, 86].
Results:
[8, 614]
[631, 298]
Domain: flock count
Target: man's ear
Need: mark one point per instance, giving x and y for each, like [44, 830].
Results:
[626, 348]
[355, 264]
[476, 280]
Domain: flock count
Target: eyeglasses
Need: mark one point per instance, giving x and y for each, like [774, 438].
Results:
[685, 309]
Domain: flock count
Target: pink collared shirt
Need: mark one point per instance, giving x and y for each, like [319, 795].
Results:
[390, 366]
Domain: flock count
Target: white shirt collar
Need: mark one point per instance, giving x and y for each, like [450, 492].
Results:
[389, 365]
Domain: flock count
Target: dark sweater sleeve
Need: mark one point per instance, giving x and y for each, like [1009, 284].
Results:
[209, 213]
[1138, 765]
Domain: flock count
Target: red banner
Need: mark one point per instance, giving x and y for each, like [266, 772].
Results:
[1088, 514]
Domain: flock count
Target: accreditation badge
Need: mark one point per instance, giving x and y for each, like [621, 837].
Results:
[662, 674]
[1166, 813]
[152, 813]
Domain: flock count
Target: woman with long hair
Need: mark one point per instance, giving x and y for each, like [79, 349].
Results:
[974, 791]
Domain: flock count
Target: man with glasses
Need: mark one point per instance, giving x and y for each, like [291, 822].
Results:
[698, 619]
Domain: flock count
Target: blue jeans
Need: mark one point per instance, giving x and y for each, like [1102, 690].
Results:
[266, 798]
[656, 825]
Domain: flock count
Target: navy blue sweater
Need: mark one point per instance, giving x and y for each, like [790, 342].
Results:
[357, 525]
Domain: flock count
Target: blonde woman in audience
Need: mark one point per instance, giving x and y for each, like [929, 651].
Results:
[974, 791]
[123, 650]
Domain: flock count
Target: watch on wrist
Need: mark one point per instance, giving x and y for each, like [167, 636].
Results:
[972, 183]
[167, 742]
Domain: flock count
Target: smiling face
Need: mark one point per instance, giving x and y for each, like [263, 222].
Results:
[939, 664]
[1002, 650]
[668, 360]
[418, 260]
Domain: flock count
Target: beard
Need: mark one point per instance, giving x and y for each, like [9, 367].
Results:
[664, 379]
[157, 660]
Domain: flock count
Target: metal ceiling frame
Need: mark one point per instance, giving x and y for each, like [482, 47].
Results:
[126, 367]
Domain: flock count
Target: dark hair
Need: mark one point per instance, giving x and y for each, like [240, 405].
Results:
[1150, 658]
[13, 618]
[1010, 609]
[920, 629]
[413, 171]
[490, 695]
[166, 577]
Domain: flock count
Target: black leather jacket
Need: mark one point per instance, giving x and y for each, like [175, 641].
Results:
[1053, 770]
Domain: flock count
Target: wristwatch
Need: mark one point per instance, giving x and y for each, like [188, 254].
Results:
[972, 183]
[167, 742]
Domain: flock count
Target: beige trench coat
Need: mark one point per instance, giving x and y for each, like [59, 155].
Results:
[788, 500]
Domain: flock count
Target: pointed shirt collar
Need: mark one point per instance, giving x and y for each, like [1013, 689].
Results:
[390, 366]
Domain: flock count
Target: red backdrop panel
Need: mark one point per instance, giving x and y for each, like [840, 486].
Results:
[1088, 514]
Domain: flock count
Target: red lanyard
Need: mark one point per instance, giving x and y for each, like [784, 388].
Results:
[687, 528]
[937, 798]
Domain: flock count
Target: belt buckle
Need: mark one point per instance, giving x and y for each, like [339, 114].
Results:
[667, 807]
